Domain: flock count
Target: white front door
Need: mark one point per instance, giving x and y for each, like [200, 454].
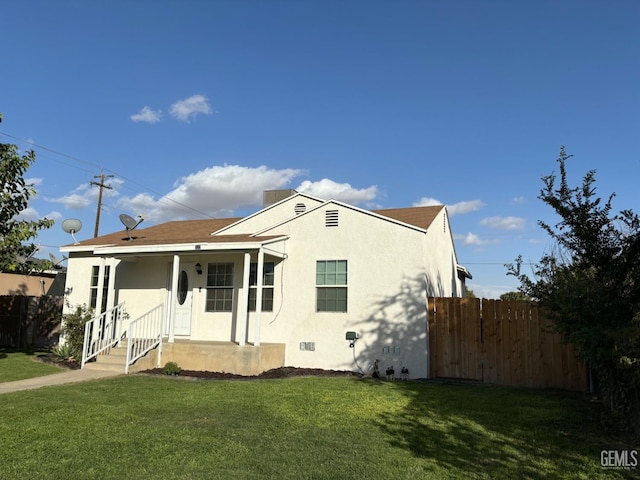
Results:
[183, 297]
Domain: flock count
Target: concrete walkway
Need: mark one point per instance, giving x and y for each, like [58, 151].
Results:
[69, 376]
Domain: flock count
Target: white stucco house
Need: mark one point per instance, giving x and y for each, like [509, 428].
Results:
[290, 285]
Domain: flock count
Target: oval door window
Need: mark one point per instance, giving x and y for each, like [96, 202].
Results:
[183, 287]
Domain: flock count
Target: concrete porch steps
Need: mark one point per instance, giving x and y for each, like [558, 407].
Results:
[113, 361]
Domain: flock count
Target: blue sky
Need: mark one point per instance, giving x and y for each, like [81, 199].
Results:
[205, 104]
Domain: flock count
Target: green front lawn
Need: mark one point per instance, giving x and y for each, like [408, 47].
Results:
[142, 427]
[18, 365]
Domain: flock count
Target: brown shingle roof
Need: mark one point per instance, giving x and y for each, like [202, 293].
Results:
[179, 231]
[421, 217]
[195, 231]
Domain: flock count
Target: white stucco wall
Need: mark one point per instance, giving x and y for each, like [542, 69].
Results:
[386, 294]
[440, 259]
[78, 281]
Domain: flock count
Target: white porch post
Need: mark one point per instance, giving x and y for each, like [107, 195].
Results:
[243, 304]
[100, 292]
[111, 292]
[111, 295]
[259, 274]
[172, 296]
[96, 334]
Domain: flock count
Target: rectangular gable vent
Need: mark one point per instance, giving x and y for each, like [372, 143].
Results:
[331, 218]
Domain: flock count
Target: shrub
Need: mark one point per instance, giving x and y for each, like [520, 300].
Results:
[171, 368]
[64, 352]
[73, 328]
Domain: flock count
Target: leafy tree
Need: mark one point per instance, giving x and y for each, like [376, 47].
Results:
[468, 292]
[514, 297]
[590, 283]
[14, 198]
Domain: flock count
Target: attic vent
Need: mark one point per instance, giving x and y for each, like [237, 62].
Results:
[299, 208]
[331, 218]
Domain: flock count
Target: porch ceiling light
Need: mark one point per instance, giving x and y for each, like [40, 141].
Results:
[198, 268]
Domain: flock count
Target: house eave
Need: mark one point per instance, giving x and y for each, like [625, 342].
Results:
[464, 272]
[120, 250]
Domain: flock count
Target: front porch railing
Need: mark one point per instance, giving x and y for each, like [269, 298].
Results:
[143, 335]
[101, 332]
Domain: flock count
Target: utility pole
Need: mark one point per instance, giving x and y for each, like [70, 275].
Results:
[101, 186]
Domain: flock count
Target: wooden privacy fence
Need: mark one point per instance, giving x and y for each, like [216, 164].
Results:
[27, 321]
[495, 341]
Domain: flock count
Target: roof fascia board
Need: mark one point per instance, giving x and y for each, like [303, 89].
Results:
[82, 248]
[183, 247]
[453, 243]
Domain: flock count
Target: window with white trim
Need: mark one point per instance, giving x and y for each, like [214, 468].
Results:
[331, 286]
[219, 287]
[267, 286]
[93, 296]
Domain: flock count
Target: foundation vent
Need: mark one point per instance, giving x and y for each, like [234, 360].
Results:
[308, 346]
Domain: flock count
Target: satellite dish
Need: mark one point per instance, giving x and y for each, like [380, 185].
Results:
[130, 223]
[72, 226]
[56, 261]
[22, 260]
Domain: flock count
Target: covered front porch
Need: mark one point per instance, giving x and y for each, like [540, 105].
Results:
[183, 328]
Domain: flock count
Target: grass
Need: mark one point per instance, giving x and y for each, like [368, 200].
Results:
[19, 365]
[301, 428]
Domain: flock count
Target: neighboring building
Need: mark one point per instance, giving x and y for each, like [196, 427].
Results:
[34, 284]
[281, 287]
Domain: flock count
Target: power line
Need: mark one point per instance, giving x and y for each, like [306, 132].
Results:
[495, 263]
[50, 150]
[162, 198]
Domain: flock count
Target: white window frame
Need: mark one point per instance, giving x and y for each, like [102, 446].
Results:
[332, 281]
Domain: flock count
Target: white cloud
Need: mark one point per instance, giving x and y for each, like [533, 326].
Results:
[454, 209]
[74, 201]
[490, 291]
[28, 214]
[504, 223]
[185, 110]
[216, 191]
[471, 239]
[427, 202]
[519, 200]
[31, 214]
[147, 115]
[86, 195]
[34, 182]
[464, 207]
[54, 215]
[329, 190]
